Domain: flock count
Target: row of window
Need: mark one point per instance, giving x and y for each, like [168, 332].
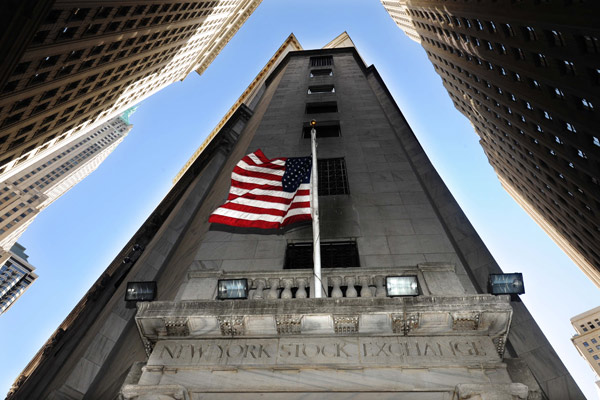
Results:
[562, 214]
[554, 37]
[564, 187]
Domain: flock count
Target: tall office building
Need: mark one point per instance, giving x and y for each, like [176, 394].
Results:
[16, 275]
[527, 75]
[68, 67]
[384, 211]
[33, 185]
[587, 338]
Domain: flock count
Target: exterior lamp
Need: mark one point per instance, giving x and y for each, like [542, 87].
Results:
[140, 291]
[232, 289]
[506, 284]
[396, 286]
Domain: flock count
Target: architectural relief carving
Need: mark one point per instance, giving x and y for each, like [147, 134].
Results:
[232, 326]
[465, 321]
[404, 323]
[499, 342]
[288, 324]
[177, 327]
[345, 324]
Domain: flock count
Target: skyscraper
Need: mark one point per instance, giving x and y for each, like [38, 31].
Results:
[526, 75]
[69, 67]
[385, 213]
[16, 275]
[587, 338]
[32, 186]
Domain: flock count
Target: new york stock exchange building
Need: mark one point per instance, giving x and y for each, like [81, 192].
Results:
[406, 309]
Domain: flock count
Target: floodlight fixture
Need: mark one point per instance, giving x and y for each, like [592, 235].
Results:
[232, 289]
[506, 283]
[396, 286]
[140, 291]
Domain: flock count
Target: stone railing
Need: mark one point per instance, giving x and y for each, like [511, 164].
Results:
[434, 279]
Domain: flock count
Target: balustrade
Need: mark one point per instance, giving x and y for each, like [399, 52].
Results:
[434, 279]
[295, 284]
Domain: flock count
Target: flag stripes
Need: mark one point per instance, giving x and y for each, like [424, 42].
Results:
[257, 198]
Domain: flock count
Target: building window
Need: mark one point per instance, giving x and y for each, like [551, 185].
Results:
[38, 78]
[324, 129]
[321, 89]
[333, 178]
[321, 61]
[321, 72]
[591, 44]
[587, 105]
[540, 60]
[529, 33]
[333, 255]
[508, 30]
[568, 67]
[555, 38]
[320, 108]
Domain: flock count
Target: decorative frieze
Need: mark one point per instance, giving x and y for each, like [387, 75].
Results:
[499, 342]
[433, 316]
[177, 327]
[288, 324]
[402, 324]
[465, 321]
[232, 325]
[345, 324]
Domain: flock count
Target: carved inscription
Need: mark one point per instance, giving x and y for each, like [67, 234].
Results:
[399, 351]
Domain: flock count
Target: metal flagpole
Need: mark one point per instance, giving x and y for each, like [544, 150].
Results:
[314, 207]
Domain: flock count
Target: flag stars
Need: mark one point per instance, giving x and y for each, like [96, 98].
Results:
[297, 171]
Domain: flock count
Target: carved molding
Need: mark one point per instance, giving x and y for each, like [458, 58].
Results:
[232, 325]
[288, 324]
[500, 344]
[154, 392]
[466, 321]
[404, 323]
[148, 345]
[345, 323]
[509, 391]
[177, 327]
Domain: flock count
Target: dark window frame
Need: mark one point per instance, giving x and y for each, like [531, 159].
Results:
[332, 177]
[321, 72]
[334, 254]
[316, 89]
[326, 129]
[321, 61]
[321, 107]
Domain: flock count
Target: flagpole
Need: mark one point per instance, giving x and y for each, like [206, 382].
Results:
[314, 208]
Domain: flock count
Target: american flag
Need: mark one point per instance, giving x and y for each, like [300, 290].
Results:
[267, 194]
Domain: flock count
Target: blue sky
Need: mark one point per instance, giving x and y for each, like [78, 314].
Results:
[74, 240]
